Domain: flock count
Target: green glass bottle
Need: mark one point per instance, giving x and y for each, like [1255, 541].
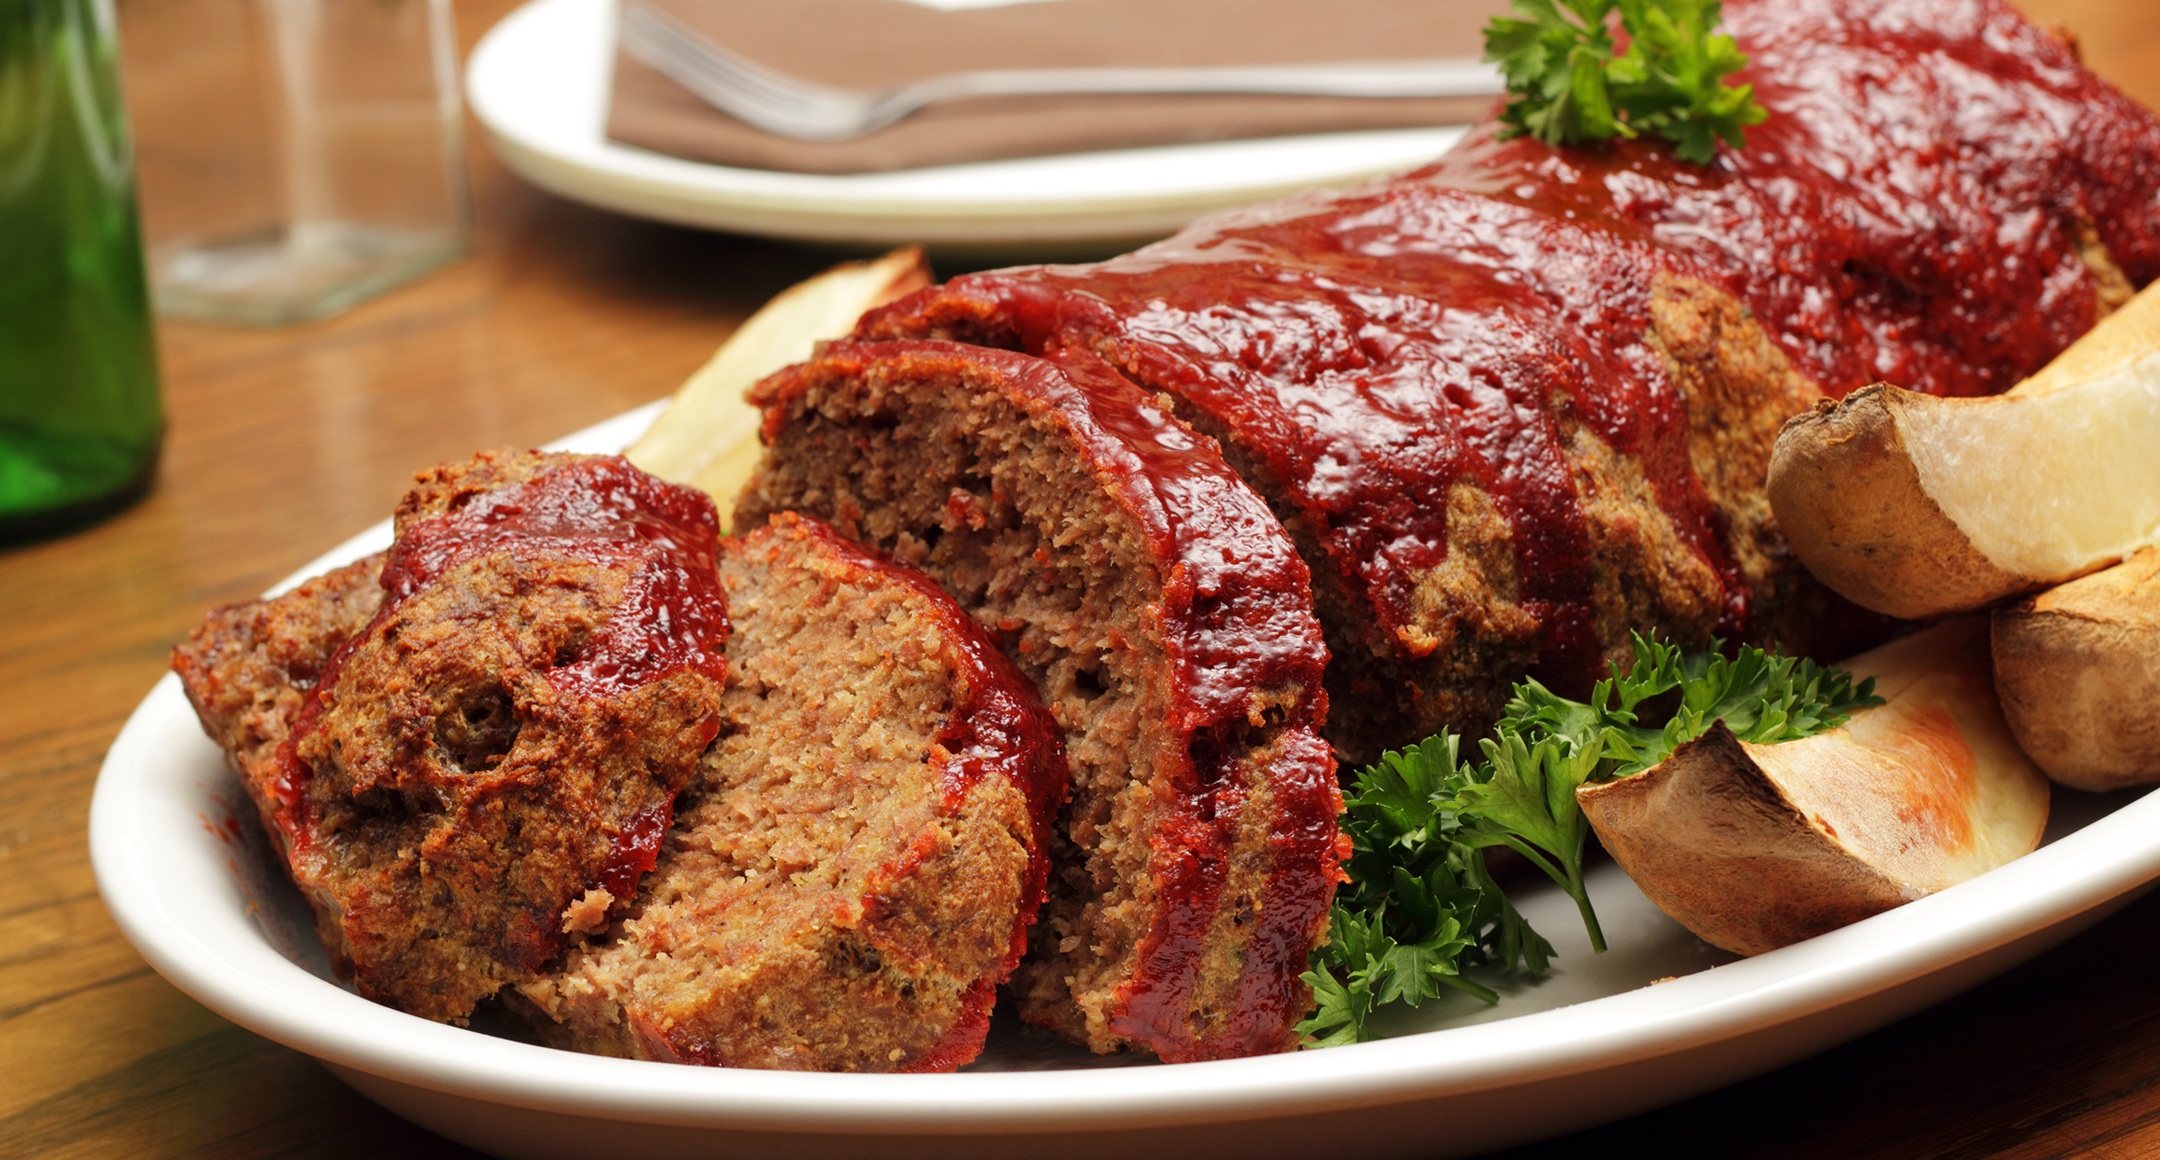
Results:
[80, 422]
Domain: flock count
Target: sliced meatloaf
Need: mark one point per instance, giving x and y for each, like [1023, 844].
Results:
[473, 759]
[1483, 486]
[1166, 621]
[1518, 404]
[852, 871]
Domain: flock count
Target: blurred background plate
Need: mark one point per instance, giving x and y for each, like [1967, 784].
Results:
[539, 84]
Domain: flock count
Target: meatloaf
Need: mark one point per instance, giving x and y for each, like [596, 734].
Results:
[1166, 621]
[1518, 404]
[852, 870]
[467, 749]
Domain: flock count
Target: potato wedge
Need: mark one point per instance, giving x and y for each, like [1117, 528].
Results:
[1916, 506]
[707, 437]
[1753, 847]
[2078, 671]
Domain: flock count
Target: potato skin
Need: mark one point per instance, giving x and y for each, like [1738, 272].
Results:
[1714, 843]
[1846, 495]
[2078, 670]
[1755, 846]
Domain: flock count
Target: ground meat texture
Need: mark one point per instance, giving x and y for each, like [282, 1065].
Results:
[1515, 406]
[248, 668]
[484, 766]
[853, 870]
[1166, 621]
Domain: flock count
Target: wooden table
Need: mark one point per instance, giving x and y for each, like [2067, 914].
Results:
[285, 442]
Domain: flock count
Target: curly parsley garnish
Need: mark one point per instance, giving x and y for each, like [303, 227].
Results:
[1419, 905]
[1569, 87]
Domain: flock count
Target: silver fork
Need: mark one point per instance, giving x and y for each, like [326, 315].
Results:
[792, 107]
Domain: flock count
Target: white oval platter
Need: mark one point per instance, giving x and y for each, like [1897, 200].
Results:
[185, 871]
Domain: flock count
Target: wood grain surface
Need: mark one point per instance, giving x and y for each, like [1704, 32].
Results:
[285, 442]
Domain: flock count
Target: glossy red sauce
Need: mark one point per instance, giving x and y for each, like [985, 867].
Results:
[1236, 622]
[636, 849]
[673, 614]
[1907, 212]
[1369, 353]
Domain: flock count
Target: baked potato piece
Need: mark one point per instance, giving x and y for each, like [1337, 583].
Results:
[707, 437]
[1753, 847]
[2078, 671]
[1917, 506]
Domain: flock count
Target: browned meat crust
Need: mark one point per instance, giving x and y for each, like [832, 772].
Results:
[248, 668]
[852, 871]
[486, 764]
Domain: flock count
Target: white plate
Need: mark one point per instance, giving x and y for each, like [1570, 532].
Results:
[187, 874]
[539, 83]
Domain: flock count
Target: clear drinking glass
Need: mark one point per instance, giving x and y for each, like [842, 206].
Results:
[299, 156]
[80, 421]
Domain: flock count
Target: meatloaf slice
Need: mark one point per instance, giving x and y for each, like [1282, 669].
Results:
[1168, 624]
[854, 868]
[481, 765]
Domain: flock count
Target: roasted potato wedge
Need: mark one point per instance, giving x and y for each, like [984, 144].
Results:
[707, 436]
[1916, 506]
[1753, 847]
[2078, 670]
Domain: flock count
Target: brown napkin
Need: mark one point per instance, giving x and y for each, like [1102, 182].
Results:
[866, 44]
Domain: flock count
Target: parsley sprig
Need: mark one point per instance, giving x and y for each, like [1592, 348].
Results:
[1420, 905]
[1568, 86]
[1762, 697]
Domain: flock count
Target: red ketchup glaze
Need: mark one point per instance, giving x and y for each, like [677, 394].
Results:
[673, 614]
[1907, 212]
[1236, 621]
[635, 850]
[1369, 352]
[1190, 860]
